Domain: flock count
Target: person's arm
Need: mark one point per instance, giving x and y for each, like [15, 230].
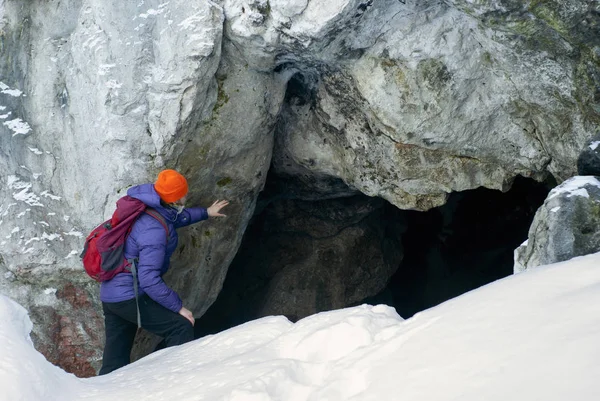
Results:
[195, 214]
[151, 259]
[190, 216]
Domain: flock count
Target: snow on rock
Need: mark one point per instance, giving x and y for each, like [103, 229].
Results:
[18, 126]
[5, 89]
[565, 226]
[574, 187]
[588, 162]
[529, 336]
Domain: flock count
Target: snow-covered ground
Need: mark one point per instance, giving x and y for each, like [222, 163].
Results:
[533, 336]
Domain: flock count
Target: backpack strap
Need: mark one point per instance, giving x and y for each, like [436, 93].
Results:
[135, 290]
[154, 213]
[133, 262]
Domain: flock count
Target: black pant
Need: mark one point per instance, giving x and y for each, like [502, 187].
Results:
[120, 322]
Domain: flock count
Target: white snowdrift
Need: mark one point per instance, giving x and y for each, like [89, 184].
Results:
[534, 336]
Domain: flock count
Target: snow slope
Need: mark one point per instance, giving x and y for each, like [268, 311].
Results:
[533, 336]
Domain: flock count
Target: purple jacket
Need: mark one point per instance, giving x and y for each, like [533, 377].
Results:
[148, 242]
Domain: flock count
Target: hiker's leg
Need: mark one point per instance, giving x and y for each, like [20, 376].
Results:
[157, 319]
[120, 333]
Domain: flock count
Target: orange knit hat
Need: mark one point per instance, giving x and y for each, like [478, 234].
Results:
[171, 186]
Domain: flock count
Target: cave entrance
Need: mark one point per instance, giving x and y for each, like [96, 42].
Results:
[462, 245]
[300, 257]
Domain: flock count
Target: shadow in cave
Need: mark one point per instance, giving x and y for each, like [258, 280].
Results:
[462, 245]
[447, 251]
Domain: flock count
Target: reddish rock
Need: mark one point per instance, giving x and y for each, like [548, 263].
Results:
[70, 335]
[77, 297]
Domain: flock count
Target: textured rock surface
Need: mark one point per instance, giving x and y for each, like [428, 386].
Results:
[588, 162]
[566, 226]
[109, 94]
[303, 257]
[69, 334]
[407, 101]
[428, 99]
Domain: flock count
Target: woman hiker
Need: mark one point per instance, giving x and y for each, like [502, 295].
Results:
[161, 311]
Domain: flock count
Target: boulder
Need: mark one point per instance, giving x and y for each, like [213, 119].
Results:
[588, 162]
[565, 226]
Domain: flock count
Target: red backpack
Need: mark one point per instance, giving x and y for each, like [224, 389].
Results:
[103, 254]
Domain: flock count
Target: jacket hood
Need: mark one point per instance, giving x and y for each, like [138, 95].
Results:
[147, 194]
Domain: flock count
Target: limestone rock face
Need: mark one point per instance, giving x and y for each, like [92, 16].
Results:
[403, 100]
[566, 226]
[107, 95]
[431, 98]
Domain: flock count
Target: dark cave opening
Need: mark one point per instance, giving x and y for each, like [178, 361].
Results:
[302, 257]
[301, 89]
[462, 245]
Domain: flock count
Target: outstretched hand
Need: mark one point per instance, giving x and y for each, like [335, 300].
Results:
[215, 208]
